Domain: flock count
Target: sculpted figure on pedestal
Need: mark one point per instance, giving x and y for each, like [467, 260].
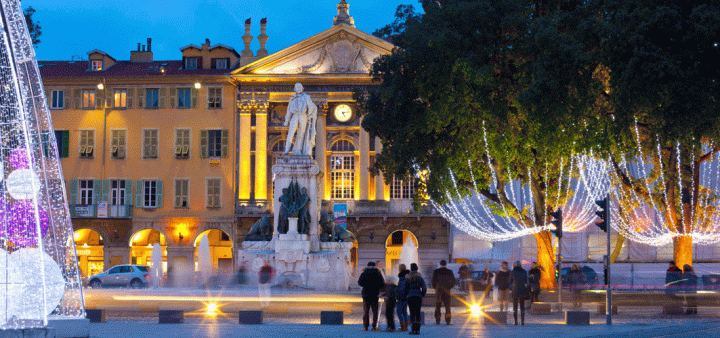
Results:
[301, 117]
[294, 202]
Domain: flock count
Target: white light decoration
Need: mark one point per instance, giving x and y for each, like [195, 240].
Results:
[479, 217]
[647, 220]
[39, 274]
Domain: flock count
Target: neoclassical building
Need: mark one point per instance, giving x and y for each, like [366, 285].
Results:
[169, 151]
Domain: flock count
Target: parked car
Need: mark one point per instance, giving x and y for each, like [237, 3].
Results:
[590, 275]
[134, 276]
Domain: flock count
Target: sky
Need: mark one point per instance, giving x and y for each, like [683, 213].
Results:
[71, 28]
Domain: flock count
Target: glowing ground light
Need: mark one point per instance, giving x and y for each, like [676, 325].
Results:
[475, 310]
[211, 309]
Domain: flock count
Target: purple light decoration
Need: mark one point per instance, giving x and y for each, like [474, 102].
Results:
[20, 223]
[19, 159]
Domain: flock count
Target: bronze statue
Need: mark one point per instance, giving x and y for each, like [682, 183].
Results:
[294, 202]
[341, 234]
[261, 231]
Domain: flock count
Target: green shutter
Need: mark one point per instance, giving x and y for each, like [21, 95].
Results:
[139, 193]
[65, 143]
[77, 97]
[173, 100]
[162, 93]
[128, 192]
[97, 191]
[203, 143]
[224, 139]
[105, 197]
[73, 192]
[66, 97]
[130, 96]
[159, 196]
[99, 99]
[194, 93]
[141, 97]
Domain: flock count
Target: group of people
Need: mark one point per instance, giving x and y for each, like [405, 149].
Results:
[682, 282]
[405, 292]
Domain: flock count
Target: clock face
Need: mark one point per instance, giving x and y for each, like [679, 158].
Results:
[343, 113]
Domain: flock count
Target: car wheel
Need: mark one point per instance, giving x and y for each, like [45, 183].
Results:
[136, 283]
[95, 284]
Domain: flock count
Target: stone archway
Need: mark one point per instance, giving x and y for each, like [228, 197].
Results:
[394, 250]
[141, 247]
[90, 248]
[221, 246]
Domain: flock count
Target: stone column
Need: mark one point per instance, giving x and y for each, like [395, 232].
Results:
[379, 179]
[244, 160]
[364, 163]
[320, 146]
[261, 152]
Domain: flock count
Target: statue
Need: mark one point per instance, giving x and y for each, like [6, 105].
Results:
[294, 202]
[301, 118]
[341, 234]
[261, 230]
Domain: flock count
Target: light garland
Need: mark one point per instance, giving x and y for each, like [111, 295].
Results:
[39, 274]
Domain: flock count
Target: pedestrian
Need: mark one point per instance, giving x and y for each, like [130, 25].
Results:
[673, 277]
[414, 289]
[264, 277]
[519, 283]
[240, 277]
[379, 266]
[390, 296]
[402, 306]
[534, 276]
[443, 280]
[464, 274]
[689, 282]
[502, 281]
[576, 281]
[486, 282]
[371, 281]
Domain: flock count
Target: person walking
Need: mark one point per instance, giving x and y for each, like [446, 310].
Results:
[402, 306]
[673, 283]
[576, 281]
[371, 282]
[443, 280]
[390, 295]
[519, 283]
[502, 281]
[534, 276]
[464, 275]
[486, 282]
[265, 275]
[414, 289]
[689, 283]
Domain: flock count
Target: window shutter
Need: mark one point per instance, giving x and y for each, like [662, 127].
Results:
[77, 98]
[66, 98]
[73, 192]
[65, 143]
[203, 143]
[130, 95]
[200, 63]
[128, 192]
[172, 102]
[159, 197]
[194, 97]
[139, 193]
[184, 62]
[224, 142]
[105, 197]
[122, 144]
[162, 93]
[141, 97]
[97, 191]
[99, 99]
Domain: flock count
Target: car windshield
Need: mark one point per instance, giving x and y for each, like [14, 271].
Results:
[143, 268]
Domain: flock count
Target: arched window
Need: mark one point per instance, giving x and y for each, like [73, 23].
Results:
[342, 145]
[342, 170]
[277, 149]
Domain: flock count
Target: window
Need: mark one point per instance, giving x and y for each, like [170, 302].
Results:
[87, 143]
[221, 63]
[57, 100]
[96, 64]
[213, 193]
[342, 145]
[182, 143]
[152, 98]
[150, 143]
[214, 97]
[181, 193]
[120, 98]
[184, 98]
[150, 194]
[86, 192]
[119, 142]
[117, 192]
[191, 63]
[397, 238]
[342, 175]
[214, 143]
[402, 188]
[63, 142]
[88, 96]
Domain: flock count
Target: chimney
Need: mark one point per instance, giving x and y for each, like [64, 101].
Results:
[206, 45]
[262, 52]
[247, 39]
[142, 54]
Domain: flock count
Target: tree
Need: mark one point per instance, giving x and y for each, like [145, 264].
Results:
[33, 27]
[507, 71]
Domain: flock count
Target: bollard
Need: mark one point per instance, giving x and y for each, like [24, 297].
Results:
[95, 315]
[540, 308]
[250, 317]
[577, 318]
[171, 317]
[331, 317]
[494, 318]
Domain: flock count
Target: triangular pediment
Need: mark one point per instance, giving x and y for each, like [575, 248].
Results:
[340, 49]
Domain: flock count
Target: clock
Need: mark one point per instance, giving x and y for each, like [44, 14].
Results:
[343, 113]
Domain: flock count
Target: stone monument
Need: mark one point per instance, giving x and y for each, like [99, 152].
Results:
[295, 247]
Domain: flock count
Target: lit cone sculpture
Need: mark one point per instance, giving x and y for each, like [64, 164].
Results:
[39, 274]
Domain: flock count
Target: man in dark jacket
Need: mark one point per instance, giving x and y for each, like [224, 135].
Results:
[371, 281]
[443, 280]
[502, 281]
[519, 280]
[534, 276]
[673, 275]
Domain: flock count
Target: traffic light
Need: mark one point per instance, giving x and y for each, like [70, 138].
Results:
[557, 222]
[603, 213]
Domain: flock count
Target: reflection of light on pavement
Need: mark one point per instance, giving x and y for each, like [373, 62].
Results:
[475, 310]
[305, 299]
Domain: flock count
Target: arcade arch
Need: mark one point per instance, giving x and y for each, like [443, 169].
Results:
[400, 246]
[89, 246]
[220, 250]
[141, 247]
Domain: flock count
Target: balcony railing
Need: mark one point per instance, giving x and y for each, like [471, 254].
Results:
[252, 207]
[91, 211]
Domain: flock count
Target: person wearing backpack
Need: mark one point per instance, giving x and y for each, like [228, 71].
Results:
[264, 277]
[443, 281]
